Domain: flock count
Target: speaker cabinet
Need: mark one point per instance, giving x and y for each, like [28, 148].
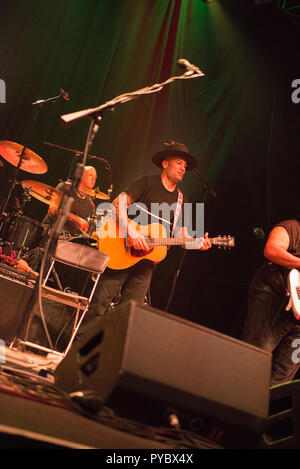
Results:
[282, 430]
[15, 290]
[140, 359]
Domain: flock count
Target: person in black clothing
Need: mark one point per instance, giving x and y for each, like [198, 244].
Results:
[145, 195]
[268, 324]
[82, 208]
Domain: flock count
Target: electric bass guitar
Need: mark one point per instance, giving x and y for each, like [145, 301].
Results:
[293, 283]
[113, 242]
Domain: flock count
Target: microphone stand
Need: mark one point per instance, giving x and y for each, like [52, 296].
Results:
[68, 119]
[206, 186]
[176, 275]
[62, 94]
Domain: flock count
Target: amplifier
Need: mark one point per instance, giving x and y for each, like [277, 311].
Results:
[15, 290]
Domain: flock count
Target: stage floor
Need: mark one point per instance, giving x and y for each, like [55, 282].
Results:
[34, 413]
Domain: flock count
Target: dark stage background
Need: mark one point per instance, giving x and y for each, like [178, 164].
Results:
[239, 120]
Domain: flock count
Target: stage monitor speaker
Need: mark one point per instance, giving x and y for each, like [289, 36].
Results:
[283, 424]
[144, 361]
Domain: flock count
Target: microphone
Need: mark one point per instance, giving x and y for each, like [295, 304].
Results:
[62, 94]
[189, 67]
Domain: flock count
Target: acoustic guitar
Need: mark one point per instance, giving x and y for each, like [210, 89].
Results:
[114, 242]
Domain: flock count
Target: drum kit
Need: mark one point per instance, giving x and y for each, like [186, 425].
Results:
[20, 234]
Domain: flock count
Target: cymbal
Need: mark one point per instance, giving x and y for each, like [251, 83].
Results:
[31, 162]
[47, 194]
[96, 194]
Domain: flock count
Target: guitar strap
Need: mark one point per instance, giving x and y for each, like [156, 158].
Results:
[177, 211]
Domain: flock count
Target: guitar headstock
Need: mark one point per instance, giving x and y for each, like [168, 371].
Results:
[224, 241]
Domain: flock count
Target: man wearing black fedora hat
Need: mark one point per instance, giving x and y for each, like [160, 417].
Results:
[150, 190]
[147, 195]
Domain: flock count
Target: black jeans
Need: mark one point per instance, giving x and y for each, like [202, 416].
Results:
[269, 326]
[133, 284]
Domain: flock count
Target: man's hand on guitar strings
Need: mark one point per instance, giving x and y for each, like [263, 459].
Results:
[201, 244]
[136, 240]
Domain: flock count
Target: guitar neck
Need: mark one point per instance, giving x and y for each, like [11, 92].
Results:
[225, 241]
[176, 241]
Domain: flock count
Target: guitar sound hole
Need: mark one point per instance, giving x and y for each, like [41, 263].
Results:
[139, 252]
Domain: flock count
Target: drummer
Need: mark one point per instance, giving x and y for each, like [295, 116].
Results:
[82, 207]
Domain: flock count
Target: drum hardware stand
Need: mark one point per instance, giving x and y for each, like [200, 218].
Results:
[27, 198]
[57, 279]
[93, 221]
[23, 243]
[77, 156]
[18, 167]
[75, 160]
[14, 218]
[33, 257]
[13, 183]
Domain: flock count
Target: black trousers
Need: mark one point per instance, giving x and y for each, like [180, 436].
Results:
[269, 326]
[132, 284]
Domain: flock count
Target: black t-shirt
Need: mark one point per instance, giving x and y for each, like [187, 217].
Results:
[293, 229]
[274, 276]
[82, 206]
[154, 203]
